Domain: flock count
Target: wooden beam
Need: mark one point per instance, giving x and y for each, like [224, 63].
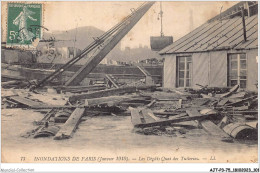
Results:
[25, 101]
[68, 88]
[231, 91]
[148, 76]
[241, 101]
[207, 125]
[136, 118]
[98, 57]
[149, 113]
[9, 83]
[87, 89]
[71, 124]
[141, 116]
[110, 100]
[56, 106]
[48, 115]
[165, 113]
[109, 92]
[12, 77]
[148, 116]
[110, 78]
[169, 122]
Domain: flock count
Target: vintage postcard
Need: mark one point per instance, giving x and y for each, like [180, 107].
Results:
[129, 82]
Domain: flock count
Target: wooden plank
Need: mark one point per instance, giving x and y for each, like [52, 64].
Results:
[213, 129]
[169, 122]
[86, 90]
[136, 118]
[102, 93]
[180, 104]
[150, 104]
[241, 101]
[240, 108]
[193, 113]
[238, 95]
[148, 77]
[71, 124]
[26, 101]
[231, 91]
[223, 102]
[56, 106]
[109, 92]
[111, 100]
[77, 87]
[12, 77]
[48, 115]
[207, 125]
[165, 113]
[109, 77]
[9, 83]
[241, 112]
[148, 116]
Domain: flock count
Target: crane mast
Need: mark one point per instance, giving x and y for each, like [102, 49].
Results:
[100, 47]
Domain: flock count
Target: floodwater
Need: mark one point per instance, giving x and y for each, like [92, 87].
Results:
[114, 137]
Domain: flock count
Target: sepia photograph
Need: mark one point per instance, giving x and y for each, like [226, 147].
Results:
[129, 82]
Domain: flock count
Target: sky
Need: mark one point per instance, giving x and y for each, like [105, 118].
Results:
[179, 17]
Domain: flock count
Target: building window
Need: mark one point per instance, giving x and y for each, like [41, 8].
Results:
[184, 71]
[237, 70]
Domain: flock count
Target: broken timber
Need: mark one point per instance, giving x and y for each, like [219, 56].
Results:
[111, 100]
[75, 89]
[231, 91]
[139, 116]
[9, 83]
[12, 77]
[241, 101]
[48, 115]
[109, 92]
[208, 126]
[111, 79]
[26, 102]
[139, 121]
[71, 124]
[148, 76]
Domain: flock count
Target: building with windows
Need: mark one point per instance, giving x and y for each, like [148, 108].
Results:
[222, 52]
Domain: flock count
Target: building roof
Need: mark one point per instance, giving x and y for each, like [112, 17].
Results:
[220, 34]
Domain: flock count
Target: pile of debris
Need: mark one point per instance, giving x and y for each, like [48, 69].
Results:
[222, 112]
[62, 119]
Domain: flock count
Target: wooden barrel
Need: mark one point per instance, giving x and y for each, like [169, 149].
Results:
[241, 131]
[158, 43]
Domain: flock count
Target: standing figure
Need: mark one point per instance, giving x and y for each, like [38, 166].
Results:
[21, 20]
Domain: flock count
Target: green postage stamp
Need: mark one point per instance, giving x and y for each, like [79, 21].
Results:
[24, 25]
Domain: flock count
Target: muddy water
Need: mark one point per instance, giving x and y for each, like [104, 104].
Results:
[114, 136]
